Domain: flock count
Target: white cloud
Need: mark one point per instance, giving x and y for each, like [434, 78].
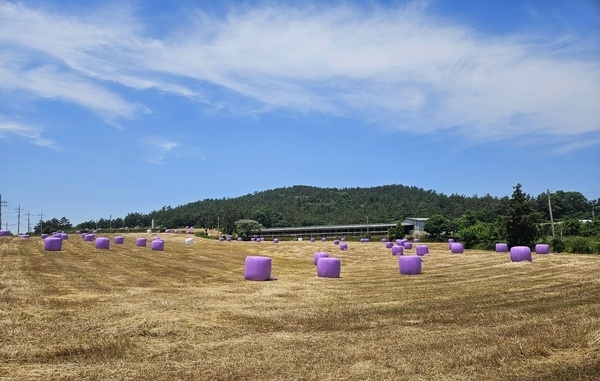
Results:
[29, 133]
[397, 67]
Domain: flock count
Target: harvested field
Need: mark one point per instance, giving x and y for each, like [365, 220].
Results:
[186, 313]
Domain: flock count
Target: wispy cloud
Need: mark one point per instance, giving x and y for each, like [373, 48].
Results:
[29, 133]
[159, 148]
[398, 68]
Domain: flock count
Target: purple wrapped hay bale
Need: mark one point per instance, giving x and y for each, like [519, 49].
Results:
[502, 248]
[257, 268]
[542, 248]
[407, 245]
[102, 243]
[457, 248]
[329, 267]
[89, 237]
[336, 241]
[157, 245]
[320, 254]
[141, 241]
[52, 244]
[408, 265]
[422, 250]
[276, 240]
[520, 253]
[119, 240]
[344, 246]
[389, 245]
[397, 250]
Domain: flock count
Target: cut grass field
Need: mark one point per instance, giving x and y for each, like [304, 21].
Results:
[186, 313]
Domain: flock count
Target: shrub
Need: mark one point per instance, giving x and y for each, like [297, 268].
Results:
[558, 245]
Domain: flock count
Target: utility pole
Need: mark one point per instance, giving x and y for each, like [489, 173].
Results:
[19, 220]
[2, 203]
[551, 219]
[41, 223]
[28, 224]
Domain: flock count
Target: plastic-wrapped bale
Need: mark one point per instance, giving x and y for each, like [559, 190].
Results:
[397, 250]
[157, 245]
[422, 250]
[253, 239]
[520, 253]
[407, 245]
[221, 239]
[44, 236]
[102, 243]
[502, 248]
[542, 248]
[344, 246]
[52, 244]
[228, 239]
[384, 240]
[389, 245]
[240, 239]
[4, 233]
[336, 241]
[457, 248]
[149, 231]
[300, 239]
[275, 240]
[140, 241]
[329, 267]
[399, 242]
[189, 241]
[119, 240]
[257, 268]
[89, 237]
[343, 239]
[64, 236]
[188, 232]
[24, 236]
[416, 240]
[323, 239]
[408, 265]
[312, 239]
[176, 231]
[320, 254]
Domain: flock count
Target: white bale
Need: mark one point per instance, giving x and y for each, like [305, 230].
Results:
[189, 241]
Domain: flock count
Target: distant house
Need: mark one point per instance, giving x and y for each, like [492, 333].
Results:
[414, 226]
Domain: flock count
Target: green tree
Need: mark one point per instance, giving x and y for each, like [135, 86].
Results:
[437, 226]
[244, 228]
[521, 219]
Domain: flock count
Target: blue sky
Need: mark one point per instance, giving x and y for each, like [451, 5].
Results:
[108, 108]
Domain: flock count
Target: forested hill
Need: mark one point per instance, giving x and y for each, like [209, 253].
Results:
[307, 206]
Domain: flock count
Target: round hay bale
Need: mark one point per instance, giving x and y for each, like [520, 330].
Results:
[89, 237]
[240, 239]
[397, 250]
[416, 240]
[52, 244]
[176, 231]
[149, 231]
[252, 239]
[389, 245]
[78, 232]
[450, 240]
[344, 246]
[188, 232]
[320, 254]
[542, 248]
[422, 250]
[299, 239]
[502, 248]
[64, 236]
[189, 241]
[157, 245]
[24, 236]
[228, 239]
[457, 248]
[336, 241]
[312, 239]
[257, 268]
[167, 230]
[409, 265]
[276, 240]
[44, 236]
[329, 267]
[384, 240]
[102, 243]
[399, 242]
[4, 233]
[140, 241]
[324, 239]
[520, 253]
[119, 240]
[407, 245]
[221, 239]
[343, 239]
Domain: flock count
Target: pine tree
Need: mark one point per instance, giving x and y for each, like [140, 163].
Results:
[521, 219]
